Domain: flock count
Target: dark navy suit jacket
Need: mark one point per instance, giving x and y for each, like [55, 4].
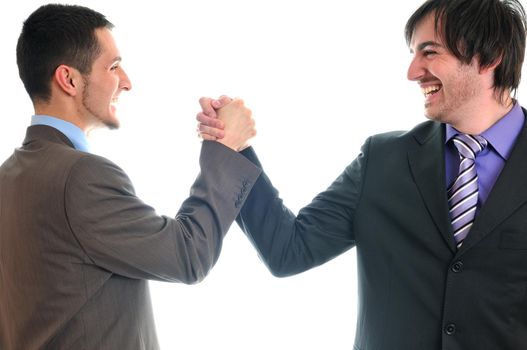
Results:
[416, 290]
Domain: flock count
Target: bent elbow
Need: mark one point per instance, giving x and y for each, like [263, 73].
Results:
[280, 269]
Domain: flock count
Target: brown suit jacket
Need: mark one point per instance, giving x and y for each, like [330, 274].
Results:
[77, 245]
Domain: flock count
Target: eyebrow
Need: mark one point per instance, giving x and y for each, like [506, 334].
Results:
[421, 46]
[112, 62]
[115, 60]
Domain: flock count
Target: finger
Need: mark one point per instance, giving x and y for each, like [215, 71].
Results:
[217, 133]
[204, 136]
[204, 119]
[206, 106]
[207, 137]
[238, 102]
[221, 102]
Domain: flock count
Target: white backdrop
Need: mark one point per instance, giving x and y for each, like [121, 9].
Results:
[320, 76]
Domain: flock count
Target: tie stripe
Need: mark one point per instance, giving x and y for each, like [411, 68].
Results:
[463, 193]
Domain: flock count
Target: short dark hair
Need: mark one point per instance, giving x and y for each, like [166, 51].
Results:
[54, 35]
[490, 30]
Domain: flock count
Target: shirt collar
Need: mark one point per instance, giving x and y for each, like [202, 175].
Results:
[502, 135]
[72, 132]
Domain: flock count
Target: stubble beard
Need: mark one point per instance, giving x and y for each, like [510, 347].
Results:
[85, 98]
[463, 89]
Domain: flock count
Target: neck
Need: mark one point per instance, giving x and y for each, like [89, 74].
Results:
[66, 114]
[476, 121]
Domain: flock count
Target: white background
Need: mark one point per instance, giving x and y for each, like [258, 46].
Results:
[320, 76]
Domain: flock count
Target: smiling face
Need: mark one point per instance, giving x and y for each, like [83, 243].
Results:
[452, 90]
[102, 87]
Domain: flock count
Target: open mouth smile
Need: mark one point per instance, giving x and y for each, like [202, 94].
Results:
[430, 90]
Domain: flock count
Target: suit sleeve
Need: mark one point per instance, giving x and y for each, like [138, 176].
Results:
[290, 244]
[120, 233]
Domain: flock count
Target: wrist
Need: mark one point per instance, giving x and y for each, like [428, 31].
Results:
[230, 144]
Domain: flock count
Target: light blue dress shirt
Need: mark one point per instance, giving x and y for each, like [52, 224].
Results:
[72, 132]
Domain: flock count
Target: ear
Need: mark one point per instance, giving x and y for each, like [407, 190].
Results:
[68, 79]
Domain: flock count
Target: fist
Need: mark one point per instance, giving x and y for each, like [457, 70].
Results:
[239, 125]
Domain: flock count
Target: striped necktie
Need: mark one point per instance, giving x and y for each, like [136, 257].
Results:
[463, 194]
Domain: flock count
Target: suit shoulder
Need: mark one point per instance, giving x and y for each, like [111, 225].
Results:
[420, 133]
[96, 165]
[74, 157]
[93, 170]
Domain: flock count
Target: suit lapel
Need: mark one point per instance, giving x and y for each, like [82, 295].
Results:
[427, 164]
[507, 195]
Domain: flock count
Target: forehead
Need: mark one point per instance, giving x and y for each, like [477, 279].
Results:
[106, 42]
[425, 31]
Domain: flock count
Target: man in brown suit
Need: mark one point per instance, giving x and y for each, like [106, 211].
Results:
[76, 244]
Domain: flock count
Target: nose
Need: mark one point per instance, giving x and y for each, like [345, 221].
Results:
[416, 70]
[124, 83]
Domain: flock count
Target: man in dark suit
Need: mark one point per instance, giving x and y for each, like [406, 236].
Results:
[438, 214]
[76, 244]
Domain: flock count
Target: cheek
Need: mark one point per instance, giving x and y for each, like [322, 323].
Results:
[113, 87]
[107, 91]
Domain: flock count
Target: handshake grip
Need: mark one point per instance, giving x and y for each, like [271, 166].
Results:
[236, 120]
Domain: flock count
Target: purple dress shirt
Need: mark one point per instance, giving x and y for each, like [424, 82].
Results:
[501, 138]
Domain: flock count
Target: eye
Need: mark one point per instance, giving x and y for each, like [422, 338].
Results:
[114, 67]
[428, 53]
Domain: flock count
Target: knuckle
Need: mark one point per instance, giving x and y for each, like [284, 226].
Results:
[205, 103]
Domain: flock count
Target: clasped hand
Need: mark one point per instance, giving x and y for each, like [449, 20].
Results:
[227, 121]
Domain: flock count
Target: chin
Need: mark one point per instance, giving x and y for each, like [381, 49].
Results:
[433, 115]
[430, 115]
[438, 117]
[111, 122]
[112, 125]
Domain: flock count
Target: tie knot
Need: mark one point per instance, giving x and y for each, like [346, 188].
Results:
[469, 146]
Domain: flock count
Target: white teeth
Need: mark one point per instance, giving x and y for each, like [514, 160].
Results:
[430, 89]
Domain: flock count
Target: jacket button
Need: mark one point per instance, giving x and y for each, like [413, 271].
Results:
[457, 267]
[450, 329]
